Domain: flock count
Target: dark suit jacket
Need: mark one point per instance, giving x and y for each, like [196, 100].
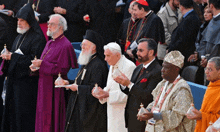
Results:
[141, 93]
[184, 36]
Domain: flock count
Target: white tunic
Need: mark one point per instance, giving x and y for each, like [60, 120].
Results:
[117, 99]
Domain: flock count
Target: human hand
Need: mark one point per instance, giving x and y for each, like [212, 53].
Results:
[73, 87]
[6, 56]
[10, 13]
[86, 18]
[203, 62]
[129, 52]
[196, 116]
[192, 58]
[100, 94]
[145, 116]
[36, 62]
[122, 79]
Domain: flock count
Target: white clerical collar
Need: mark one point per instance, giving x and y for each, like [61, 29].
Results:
[145, 66]
[148, 13]
[216, 15]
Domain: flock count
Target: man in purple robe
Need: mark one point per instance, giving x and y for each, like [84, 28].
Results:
[57, 57]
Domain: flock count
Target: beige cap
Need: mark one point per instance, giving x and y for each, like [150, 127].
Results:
[175, 58]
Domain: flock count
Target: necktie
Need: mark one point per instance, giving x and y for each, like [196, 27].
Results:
[141, 72]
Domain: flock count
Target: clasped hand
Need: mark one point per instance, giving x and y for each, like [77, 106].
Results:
[100, 94]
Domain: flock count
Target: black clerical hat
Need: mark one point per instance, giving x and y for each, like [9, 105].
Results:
[27, 13]
[97, 39]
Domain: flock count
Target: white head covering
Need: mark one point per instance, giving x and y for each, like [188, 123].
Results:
[175, 58]
[113, 46]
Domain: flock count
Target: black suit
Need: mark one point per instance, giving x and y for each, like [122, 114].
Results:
[140, 93]
[184, 36]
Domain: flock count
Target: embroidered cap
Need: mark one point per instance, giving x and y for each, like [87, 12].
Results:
[142, 2]
[175, 58]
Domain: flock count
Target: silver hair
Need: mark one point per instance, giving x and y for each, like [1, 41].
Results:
[113, 50]
[216, 60]
[62, 20]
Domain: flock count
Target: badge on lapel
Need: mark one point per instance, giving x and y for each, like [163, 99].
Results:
[144, 80]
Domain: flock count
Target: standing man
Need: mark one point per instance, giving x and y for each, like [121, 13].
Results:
[184, 36]
[171, 17]
[172, 99]
[115, 98]
[127, 29]
[144, 79]
[21, 95]
[84, 112]
[210, 110]
[73, 11]
[58, 57]
[150, 26]
[211, 34]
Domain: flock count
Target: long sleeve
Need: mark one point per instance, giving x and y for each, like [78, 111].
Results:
[172, 118]
[60, 65]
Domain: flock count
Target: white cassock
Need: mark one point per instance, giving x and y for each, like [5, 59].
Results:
[117, 99]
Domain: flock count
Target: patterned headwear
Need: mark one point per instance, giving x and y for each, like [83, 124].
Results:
[142, 2]
[175, 58]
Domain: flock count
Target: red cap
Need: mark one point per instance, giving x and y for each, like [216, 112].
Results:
[142, 2]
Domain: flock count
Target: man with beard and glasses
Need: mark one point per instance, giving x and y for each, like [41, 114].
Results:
[144, 79]
[171, 17]
[21, 94]
[58, 57]
[84, 112]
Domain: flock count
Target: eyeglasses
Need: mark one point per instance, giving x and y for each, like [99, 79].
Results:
[51, 24]
[85, 45]
[208, 69]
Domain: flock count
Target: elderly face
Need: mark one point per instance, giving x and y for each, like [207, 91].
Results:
[208, 14]
[53, 26]
[111, 58]
[87, 46]
[23, 25]
[212, 74]
[169, 71]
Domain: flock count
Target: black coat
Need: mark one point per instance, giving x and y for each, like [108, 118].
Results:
[141, 93]
[11, 26]
[44, 8]
[21, 94]
[152, 28]
[102, 18]
[184, 36]
[87, 114]
[74, 16]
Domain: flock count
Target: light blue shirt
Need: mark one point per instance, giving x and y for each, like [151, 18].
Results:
[187, 13]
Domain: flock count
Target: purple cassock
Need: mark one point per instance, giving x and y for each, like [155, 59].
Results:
[58, 57]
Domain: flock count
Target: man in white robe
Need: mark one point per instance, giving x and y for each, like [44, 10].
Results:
[115, 98]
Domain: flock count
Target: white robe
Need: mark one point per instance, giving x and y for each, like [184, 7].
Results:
[117, 99]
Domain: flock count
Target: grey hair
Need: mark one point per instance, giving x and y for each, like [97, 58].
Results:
[62, 20]
[113, 50]
[216, 60]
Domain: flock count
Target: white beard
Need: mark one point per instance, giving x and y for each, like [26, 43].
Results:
[22, 31]
[84, 58]
[50, 34]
